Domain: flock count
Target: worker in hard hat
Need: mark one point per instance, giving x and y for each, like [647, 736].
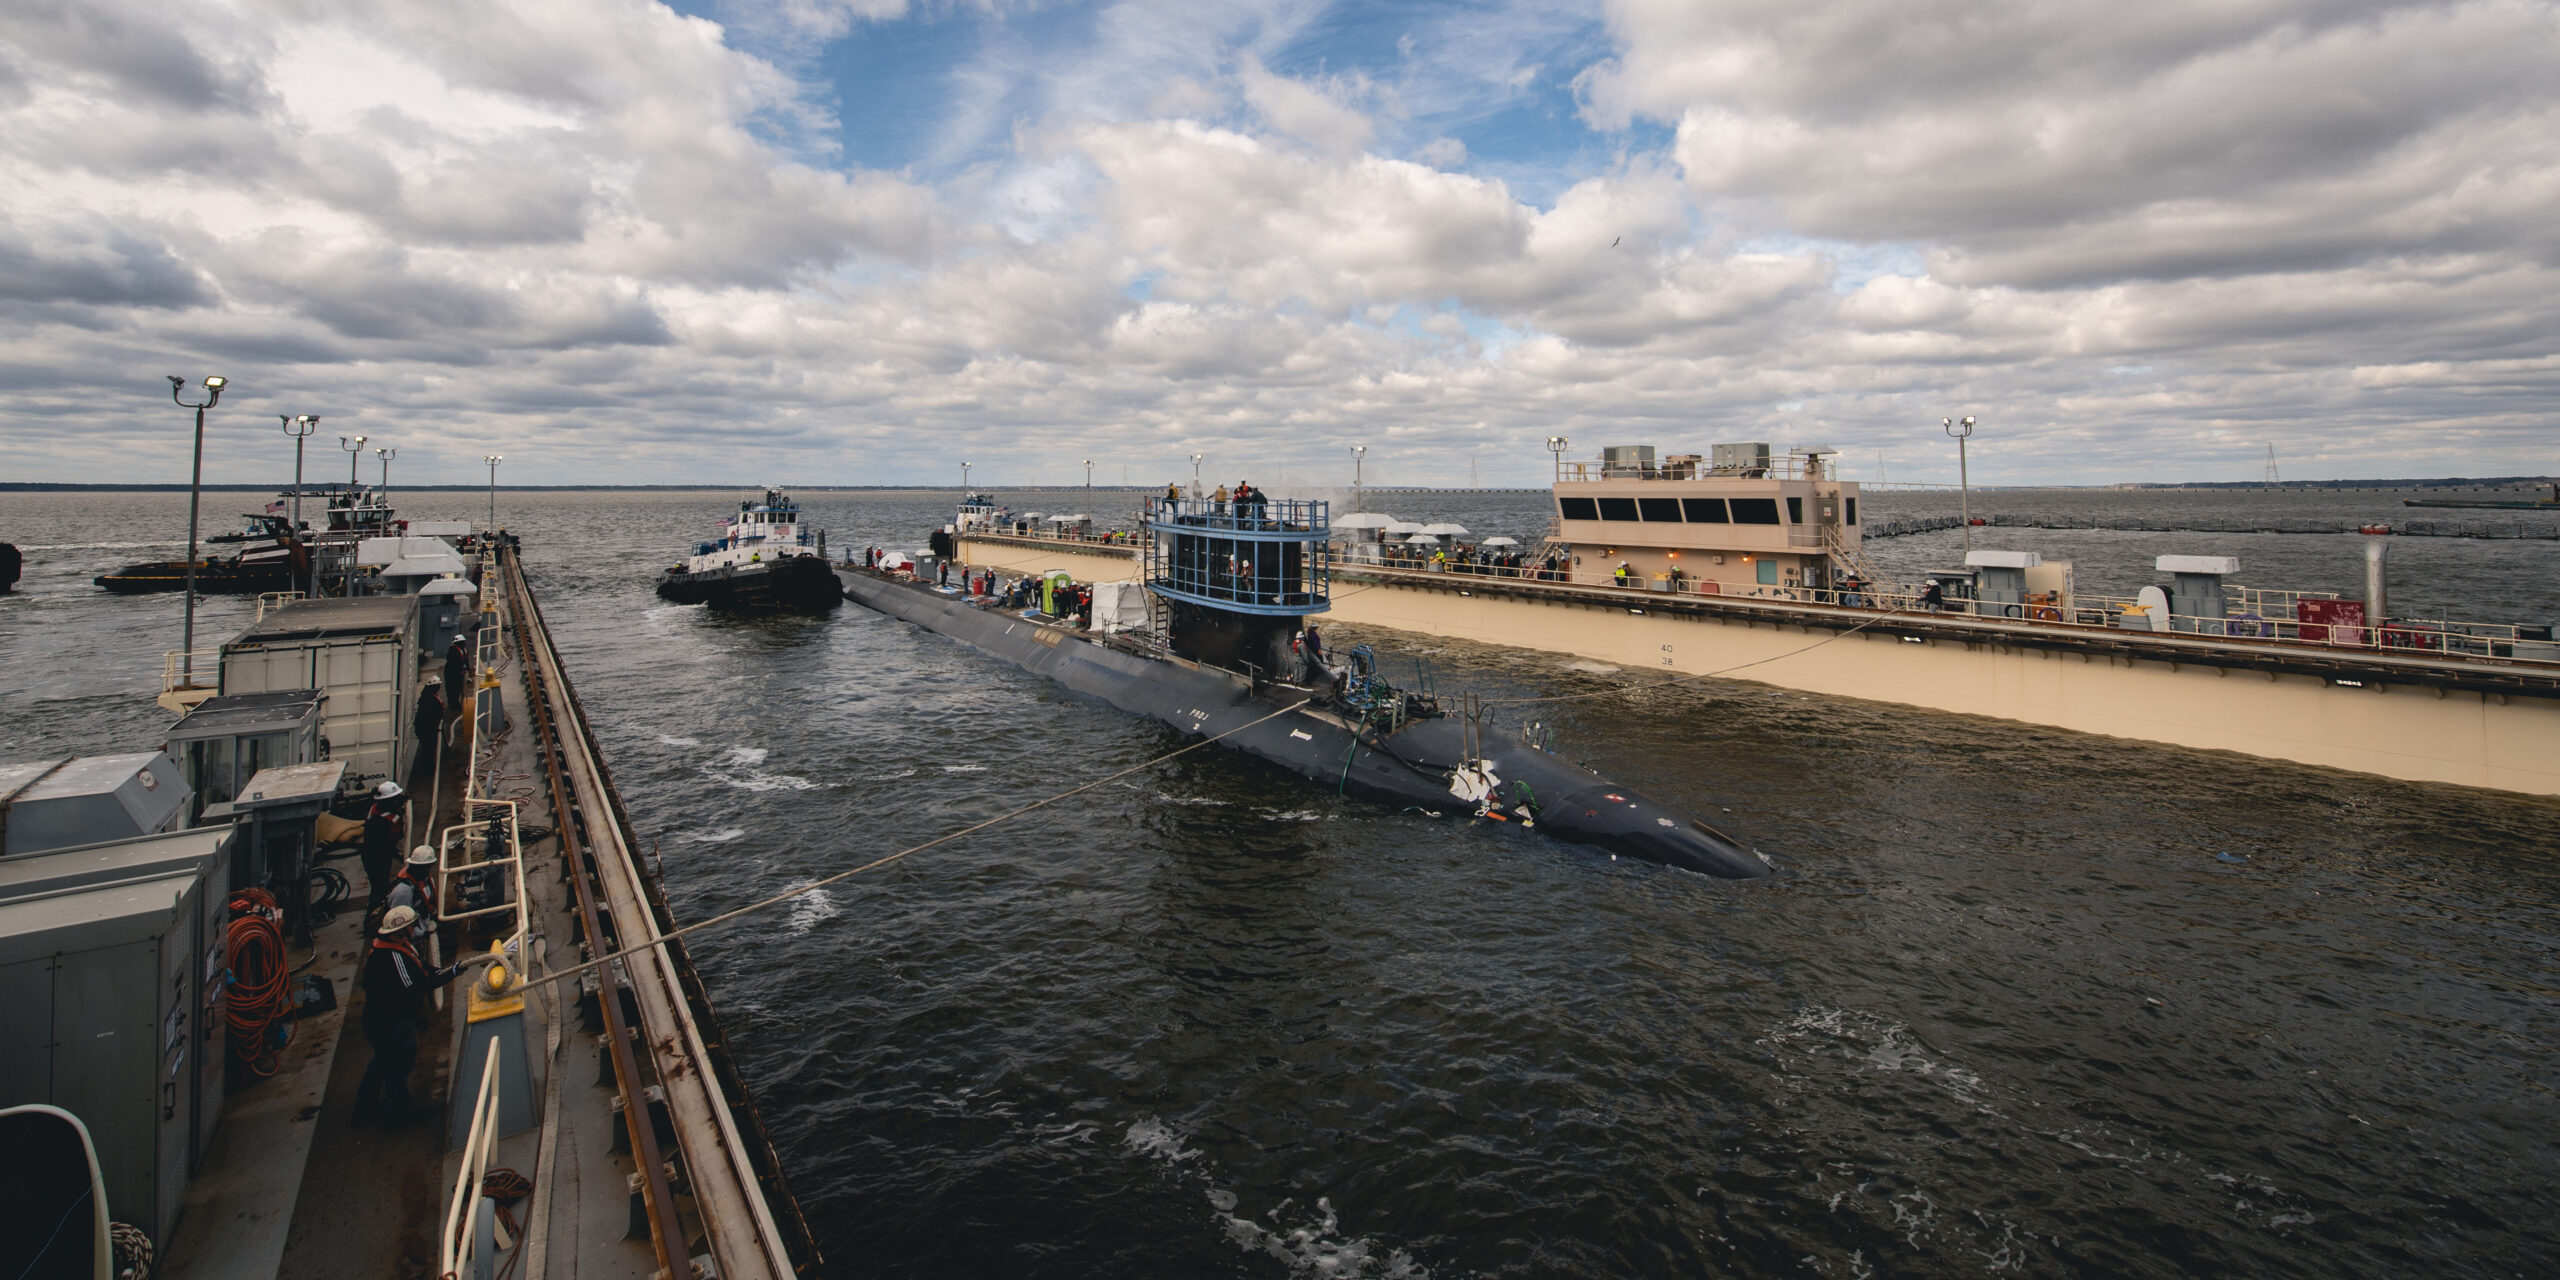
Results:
[396, 984]
[415, 888]
[384, 825]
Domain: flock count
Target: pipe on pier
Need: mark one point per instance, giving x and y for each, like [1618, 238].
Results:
[2376, 595]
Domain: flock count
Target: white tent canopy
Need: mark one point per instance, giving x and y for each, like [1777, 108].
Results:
[1401, 526]
[1365, 520]
[1445, 530]
[1498, 541]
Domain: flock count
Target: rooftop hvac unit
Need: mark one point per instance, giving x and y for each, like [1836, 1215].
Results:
[1741, 459]
[1627, 460]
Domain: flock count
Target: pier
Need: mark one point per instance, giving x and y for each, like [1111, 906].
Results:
[2437, 714]
[600, 1108]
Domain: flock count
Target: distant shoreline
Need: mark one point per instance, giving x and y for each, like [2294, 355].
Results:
[2444, 482]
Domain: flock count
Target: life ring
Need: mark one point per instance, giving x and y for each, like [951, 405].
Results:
[2248, 626]
[2046, 613]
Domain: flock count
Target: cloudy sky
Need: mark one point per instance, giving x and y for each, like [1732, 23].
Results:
[855, 241]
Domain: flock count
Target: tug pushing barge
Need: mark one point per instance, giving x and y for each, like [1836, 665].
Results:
[1230, 586]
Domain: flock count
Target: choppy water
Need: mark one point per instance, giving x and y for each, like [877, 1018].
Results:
[2033, 1003]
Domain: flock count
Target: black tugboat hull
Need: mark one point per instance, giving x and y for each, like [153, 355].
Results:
[791, 584]
[1412, 766]
[214, 578]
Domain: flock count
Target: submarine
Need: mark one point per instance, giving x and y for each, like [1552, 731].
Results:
[1227, 589]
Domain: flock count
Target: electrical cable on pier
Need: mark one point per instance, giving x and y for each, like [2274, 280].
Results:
[877, 863]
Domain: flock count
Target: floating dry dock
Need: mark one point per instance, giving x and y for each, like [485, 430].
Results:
[593, 1126]
[2485, 718]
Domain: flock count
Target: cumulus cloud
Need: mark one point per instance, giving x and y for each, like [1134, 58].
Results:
[2128, 237]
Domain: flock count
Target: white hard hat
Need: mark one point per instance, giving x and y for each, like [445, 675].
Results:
[397, 920]
[422, 856]
[387, 791]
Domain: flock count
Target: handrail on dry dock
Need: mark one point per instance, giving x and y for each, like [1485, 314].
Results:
[461, 1238]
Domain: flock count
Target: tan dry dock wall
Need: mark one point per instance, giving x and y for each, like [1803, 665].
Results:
[2510, 743]
[1087, 564]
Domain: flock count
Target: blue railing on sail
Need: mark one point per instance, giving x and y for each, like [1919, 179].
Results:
[1271, 557]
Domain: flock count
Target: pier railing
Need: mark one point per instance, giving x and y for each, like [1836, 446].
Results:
[2259, 617]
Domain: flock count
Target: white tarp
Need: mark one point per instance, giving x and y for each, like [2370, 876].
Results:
[1118, 607]
[376, 552]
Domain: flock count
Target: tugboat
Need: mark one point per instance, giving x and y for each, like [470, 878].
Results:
[762, 562]
[1223, 651]
[271, 559]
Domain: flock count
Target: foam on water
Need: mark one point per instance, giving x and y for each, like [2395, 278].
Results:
[737, 767]
[810, 910]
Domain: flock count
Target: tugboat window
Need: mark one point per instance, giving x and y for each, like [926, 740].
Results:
[1795, 511]
[1659, 510]
[1755, 510]
[1704, 510]
[1578, 508]
[1618, 509]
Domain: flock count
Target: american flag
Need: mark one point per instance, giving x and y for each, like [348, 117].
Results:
[275, 508]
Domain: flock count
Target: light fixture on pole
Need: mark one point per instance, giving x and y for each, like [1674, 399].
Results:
[493, 459]
[1557, 445]
[1359, 456]
[354, 445]
[964, 480]
[386, 455]
[1962, 429]
[213, 386]
[300, 427]
[1195, 473]
[1088, 482]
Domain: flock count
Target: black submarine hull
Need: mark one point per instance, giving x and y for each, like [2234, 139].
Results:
[1416, 765]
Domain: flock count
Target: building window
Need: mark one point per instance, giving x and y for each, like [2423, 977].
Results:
[1659, 510]
[1768, 572]
[1852, 505]
[1703, 510]
[1578, 508]
[1755, 510]
[1618, 509]
[1795, 511]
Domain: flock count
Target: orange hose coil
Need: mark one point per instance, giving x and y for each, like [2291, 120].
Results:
[259, 994]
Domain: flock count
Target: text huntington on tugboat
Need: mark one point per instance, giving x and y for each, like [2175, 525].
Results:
[762, 562]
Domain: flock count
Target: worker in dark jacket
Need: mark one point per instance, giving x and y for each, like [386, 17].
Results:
[396, 984]
[457, 671]
[385, 828]
[427, 721]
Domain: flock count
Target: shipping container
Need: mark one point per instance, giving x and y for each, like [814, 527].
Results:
[361, 652]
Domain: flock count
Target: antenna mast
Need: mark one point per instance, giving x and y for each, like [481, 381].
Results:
[2272, 477]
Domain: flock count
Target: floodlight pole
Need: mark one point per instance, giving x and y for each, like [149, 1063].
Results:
[1195, 473]
[386, 455]
[1557, 445]
[1088, 483]
[964, 479]
[195, 497]
[354, 445]
[1962, 429]
[1359, 457]
[493, 460]
[300, 427]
